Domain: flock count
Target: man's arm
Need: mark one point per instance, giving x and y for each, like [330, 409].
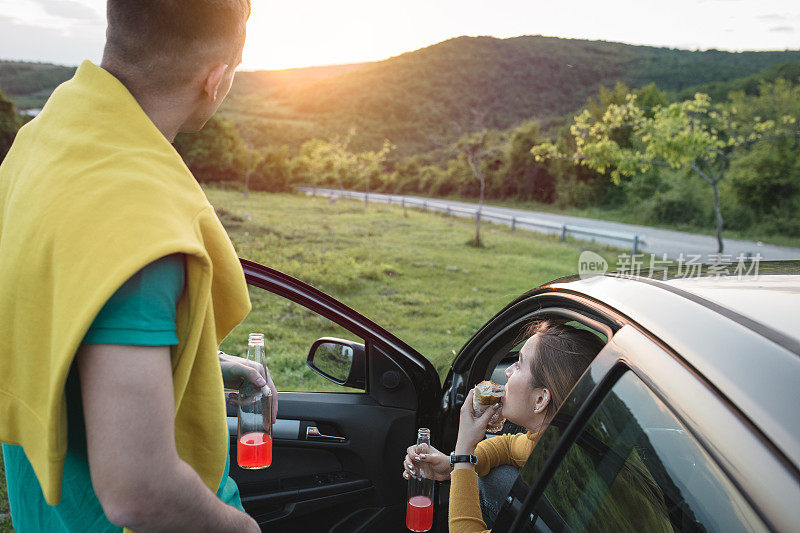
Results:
[138, 477]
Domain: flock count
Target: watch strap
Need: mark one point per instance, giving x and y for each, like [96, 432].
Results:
[462, 459]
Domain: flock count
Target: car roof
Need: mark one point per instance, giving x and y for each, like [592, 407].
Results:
[741, 335]
[771, 299]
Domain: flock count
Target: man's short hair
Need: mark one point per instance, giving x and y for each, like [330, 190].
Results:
[167, 40]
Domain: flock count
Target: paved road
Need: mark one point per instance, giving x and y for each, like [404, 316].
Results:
[657, 240]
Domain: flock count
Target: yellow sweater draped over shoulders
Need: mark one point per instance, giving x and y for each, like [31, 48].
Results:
[90, 193]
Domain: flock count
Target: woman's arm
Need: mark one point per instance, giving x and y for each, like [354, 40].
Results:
[464, 512]
[465, 508]
[492, 452]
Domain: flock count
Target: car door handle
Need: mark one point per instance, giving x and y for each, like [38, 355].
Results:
[312, 433]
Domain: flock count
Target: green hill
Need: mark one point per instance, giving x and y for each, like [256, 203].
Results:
[30, 84]
[719, 90]
[268, 82]
[425, 98]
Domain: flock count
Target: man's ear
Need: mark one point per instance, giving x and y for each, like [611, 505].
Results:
[213, 80]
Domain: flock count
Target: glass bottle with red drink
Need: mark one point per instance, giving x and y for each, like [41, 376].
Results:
[419, 509]
[254, 439]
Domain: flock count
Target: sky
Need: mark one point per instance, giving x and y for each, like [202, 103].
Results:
[325, 32]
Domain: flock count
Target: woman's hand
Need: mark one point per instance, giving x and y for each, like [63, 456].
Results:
[472, 430]
[431, 463]
[237, 370]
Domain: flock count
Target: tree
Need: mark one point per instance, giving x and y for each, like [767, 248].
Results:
[215, 153]
[343, 160]
[318, 159]
[693, 135]
[274, 170]
[764, 183]
[474, 149]
[523, 177]
[252, 159]
[367, 163]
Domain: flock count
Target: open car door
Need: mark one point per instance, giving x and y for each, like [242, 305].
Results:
[338, 450]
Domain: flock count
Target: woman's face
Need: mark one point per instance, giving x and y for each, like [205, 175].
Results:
[519, 402]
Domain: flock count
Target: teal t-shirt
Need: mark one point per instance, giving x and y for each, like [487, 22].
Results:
[141, 313]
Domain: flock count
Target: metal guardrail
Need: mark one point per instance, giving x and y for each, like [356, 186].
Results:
[636, 240]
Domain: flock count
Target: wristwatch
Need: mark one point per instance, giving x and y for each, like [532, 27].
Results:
[462, 459]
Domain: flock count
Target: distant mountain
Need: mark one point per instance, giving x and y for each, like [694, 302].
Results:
[30, 84]
[425, 98]
[267, 82]
[719, 90]
[421, 97]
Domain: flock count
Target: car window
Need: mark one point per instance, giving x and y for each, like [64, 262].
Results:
[510, 357]
[576, 324]
[289, 330]
[636, 468]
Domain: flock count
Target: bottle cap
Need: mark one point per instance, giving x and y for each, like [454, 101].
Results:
[255, 339]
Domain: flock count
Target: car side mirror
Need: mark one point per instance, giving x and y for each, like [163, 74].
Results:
[340, 361]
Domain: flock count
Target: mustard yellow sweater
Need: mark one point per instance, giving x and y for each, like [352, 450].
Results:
[464, 507]
[90, 193]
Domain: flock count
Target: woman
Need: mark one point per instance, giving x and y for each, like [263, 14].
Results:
[550, 363]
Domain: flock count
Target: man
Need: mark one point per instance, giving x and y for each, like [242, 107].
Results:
[117, 283]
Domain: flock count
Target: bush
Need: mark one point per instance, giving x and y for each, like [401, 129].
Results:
[273, 172]
[214, 154]
[682, 203]
[644, 186]
[783, 220]
[430, 177]
[737, 215]
[575, 193]
[767, 177]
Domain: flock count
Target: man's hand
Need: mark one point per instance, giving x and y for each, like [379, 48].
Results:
[237, 370]
[140, 480]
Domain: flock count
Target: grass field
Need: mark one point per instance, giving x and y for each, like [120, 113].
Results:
[415, 275]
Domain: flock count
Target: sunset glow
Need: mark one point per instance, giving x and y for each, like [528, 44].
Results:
[285, 35]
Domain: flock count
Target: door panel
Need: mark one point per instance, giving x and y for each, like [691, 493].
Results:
[347, 484]
[307, 476]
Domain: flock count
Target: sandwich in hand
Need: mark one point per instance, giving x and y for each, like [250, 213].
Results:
[487, 394]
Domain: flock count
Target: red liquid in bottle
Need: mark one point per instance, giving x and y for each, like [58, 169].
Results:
[419, 513]
[254, 450]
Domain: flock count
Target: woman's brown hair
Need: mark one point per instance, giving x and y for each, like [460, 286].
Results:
[561, 354]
